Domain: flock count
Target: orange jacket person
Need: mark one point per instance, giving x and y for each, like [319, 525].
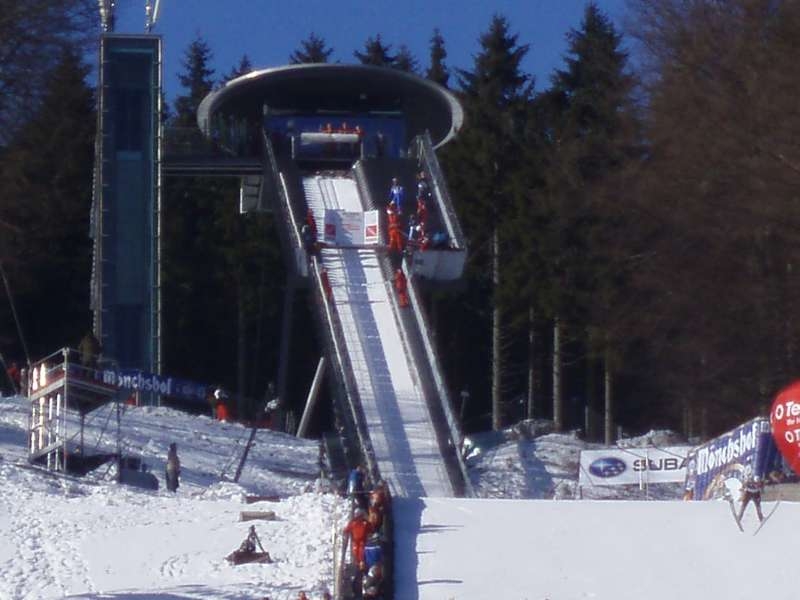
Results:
[401, 285]
[359, 529]
[395, 237]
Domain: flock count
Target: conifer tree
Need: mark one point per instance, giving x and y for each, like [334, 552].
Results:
[438, 71]
[485, 158]
[312, 50]
[405, 61]
[592, 134]
[33, 38]
[222, 273]
[243, 68]
[376, 53]
[46, 177]
[197, 81]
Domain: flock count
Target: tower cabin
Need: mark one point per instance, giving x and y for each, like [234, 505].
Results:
[374, 124]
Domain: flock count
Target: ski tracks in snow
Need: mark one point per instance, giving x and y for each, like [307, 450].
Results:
[45, 538]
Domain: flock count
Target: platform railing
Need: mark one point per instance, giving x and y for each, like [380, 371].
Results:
[286, 208]
[442, 394]
[422, 148]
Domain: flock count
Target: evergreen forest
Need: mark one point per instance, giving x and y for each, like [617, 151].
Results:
[630, 220]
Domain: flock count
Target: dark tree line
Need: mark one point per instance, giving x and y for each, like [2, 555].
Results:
[632, 231]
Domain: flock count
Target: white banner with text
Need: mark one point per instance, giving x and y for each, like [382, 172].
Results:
[633, 466]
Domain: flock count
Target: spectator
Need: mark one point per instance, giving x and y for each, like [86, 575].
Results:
[355, 487]
[326, 284]
[422, 211]
[401, 285]
[373, 551]
[423, 189]
[14, 376]
[309, 239]
[221, 398]
[311, 221]
[173, 470]
[396, 194]
[395, 236]
[375, 517]
[358, 529]
[379, 496]
[380, 144]
[372, 583]
[89, 349]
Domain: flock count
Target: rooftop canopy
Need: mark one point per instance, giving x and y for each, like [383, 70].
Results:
[338, 88]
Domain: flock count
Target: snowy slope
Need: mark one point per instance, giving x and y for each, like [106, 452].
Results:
[397, 417]
[97, 540]
[460, 549]
[85, 539]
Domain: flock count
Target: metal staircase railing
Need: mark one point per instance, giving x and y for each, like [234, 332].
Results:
[286, 209]
[442, 393]
[422, 148]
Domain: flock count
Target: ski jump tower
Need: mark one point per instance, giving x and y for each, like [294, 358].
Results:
[323, 143]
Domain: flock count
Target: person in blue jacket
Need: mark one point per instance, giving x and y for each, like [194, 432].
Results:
[396, 195]
[355, 486]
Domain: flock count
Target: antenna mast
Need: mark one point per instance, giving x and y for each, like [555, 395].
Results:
[151, 14]
[106, 15]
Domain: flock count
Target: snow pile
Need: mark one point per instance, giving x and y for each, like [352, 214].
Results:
[529, 461]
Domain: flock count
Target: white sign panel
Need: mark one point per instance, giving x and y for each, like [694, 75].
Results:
[372, 228]
[633, 466]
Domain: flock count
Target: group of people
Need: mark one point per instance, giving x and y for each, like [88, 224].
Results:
[366, 532]
[416, 236]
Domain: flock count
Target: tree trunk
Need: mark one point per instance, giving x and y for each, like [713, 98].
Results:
[608, 410]
[241, 351]
[497, 401]
[589, 395]
[531, 406]
[558, 407]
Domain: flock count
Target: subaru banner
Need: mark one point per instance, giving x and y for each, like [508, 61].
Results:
[633, 466]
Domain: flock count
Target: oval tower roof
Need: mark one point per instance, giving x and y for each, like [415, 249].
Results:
[331, 88]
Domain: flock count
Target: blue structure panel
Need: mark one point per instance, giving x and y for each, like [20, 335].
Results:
[127, 303]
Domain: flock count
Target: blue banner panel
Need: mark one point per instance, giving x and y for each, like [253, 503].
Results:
[135, 380]
[747, 450]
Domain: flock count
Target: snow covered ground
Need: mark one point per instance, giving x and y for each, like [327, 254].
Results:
[95, 539]
[63, 538]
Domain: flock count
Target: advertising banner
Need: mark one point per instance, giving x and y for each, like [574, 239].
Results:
[746, 450]
[372, 230]
[347, 229]
[129, 379]
[633, 466]
[784, 418]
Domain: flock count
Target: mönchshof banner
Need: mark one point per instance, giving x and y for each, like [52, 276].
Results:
[633, 466]
[351, 229]
[737, 454]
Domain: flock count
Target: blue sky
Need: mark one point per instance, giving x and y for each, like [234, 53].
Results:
[268, 32]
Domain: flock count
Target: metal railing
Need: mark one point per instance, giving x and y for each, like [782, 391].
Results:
[286, 208]
[344, 371]
[422, 148]
[442, 393]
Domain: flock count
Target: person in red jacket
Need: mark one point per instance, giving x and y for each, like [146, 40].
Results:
[401, 285]
[395, 237]
[311, 222]
[358, 529]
